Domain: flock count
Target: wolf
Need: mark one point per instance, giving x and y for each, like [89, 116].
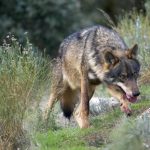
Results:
[90, 57]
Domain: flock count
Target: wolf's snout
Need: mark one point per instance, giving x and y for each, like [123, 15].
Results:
[136, 93]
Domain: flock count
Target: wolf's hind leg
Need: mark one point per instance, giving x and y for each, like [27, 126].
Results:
[50, 104]
[57, 89]
[57, 86]
[52, 100]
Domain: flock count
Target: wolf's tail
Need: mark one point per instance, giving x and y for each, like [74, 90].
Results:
[68, 102]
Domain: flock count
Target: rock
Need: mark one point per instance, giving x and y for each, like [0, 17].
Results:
[102, 105]
[146, 112]
[97, 106]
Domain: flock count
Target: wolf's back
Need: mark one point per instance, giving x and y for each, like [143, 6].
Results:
[94, 38]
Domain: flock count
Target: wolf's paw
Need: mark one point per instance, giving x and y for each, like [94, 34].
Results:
[126, 109]
[82, 121]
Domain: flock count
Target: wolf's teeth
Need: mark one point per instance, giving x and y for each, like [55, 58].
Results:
[128, 97]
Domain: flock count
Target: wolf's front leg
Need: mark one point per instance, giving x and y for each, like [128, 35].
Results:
[118, 94]
[82, 112]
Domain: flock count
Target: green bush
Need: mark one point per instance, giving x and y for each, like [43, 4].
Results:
[46, 21]
[24, 77]
[50, 21]
[131, 134]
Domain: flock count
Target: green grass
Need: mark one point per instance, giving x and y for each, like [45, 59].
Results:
[145, 90]
[64, 139]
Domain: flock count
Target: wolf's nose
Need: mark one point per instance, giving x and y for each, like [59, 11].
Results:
[136, 94]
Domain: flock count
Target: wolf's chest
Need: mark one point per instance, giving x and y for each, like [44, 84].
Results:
[93, 79]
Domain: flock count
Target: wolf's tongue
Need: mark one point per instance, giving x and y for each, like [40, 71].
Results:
[131, 99]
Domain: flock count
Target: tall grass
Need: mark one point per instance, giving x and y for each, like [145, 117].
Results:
[24, 76]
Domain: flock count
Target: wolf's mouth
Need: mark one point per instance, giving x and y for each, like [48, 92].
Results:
[131, 99]
[127, 95]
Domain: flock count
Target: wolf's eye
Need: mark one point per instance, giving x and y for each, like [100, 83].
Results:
[123, 77]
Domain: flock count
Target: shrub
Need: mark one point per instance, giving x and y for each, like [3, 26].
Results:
[131, 134]
[47, 21]
[24, 76]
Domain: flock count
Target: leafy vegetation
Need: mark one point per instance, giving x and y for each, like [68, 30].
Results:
[47, 22]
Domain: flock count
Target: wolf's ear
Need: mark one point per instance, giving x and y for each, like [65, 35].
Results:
[110, 58]
[132, 53]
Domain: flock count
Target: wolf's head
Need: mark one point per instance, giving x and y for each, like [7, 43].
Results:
[122, 70]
